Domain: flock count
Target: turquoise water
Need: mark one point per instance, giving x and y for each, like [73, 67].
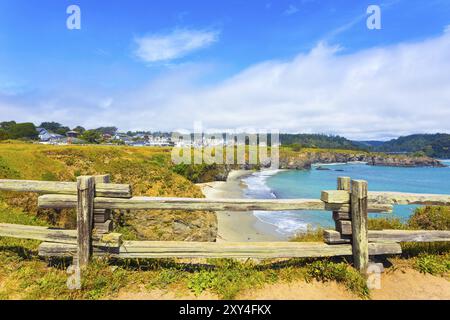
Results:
[309, 184]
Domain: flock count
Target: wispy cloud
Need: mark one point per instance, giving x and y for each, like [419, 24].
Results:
[370, 94]
[291, 10]
[174, 45]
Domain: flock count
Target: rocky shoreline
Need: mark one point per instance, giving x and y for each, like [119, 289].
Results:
[307, 159]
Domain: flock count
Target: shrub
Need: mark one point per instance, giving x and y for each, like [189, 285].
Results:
[433, 264]
[326, 270]
[386, 223]
[430, 218]
[311, 235]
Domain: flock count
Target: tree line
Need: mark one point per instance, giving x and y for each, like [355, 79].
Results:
[28, 131]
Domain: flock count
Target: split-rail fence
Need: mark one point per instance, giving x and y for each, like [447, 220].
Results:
[94, 198]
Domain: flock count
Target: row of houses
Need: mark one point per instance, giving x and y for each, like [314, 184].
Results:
[143, 140]
[48, 137]
[139, 139]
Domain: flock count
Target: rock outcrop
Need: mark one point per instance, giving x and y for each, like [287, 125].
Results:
[304, 160]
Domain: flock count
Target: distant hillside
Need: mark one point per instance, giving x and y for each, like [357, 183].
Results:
[321, 141]
[369, 144]
[433, 145]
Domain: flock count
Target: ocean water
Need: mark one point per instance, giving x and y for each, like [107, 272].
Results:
[289, 184]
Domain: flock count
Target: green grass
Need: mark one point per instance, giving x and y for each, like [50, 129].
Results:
[24, 276]
[12, 215]
[311, 235]
[433, 264]
[325, 270]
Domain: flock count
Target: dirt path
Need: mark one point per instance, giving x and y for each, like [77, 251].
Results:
[406, 284]
[410, 284]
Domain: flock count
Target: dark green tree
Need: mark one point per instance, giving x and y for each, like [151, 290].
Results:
[25, 130]
[91, 136]
[50, 126]
[79, 129]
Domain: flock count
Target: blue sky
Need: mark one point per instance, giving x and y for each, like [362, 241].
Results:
[135, 63]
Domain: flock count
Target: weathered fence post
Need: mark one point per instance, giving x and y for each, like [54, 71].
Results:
[85, 209]
[360, 238]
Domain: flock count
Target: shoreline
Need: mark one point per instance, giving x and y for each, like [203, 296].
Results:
[240, 226]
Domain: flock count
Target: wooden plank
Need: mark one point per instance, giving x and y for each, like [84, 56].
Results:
[335, 196]
[360, 237]
[54, 201]
[344, 227]
[409, 198]
[102, 217]
[334, 237]
[110, 190]
[49, 249]
[259, 250]
[338, 215]
[409, 235]
[344, 183]
[55, 235]
[104, 227]
[85, 208]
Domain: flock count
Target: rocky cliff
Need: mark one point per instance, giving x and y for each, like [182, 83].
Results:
[304, 160]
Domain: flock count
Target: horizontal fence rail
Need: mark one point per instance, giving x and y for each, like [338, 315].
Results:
[56, 235]
[110, 190]
[95, 198]
[193, 204]
[333, 236]
[258, 250]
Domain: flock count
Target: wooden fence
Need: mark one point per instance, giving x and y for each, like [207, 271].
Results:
[95, 197]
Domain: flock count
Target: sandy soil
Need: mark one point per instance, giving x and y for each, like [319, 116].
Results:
[237, 226]
[406, 284]
[300, 290]
[409, 284]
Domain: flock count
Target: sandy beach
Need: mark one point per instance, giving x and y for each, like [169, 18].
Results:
[237, 226]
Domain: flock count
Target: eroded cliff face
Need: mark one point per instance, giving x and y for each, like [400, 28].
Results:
[147, 170]
[304, 160]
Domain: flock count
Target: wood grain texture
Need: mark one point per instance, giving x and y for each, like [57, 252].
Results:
[260, 250]
[110, 190]
[334, 237]
[344, 183]
[335, 196]
[409, 236]
[360, 236]
[398, 236]
[338, 215]
[344, 227]
[54, 201]
[55, 235]
[102, 217]
[85, 214]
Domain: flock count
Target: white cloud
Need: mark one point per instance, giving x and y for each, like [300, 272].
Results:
[177, 44]
[371, 94]
[291, 10]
